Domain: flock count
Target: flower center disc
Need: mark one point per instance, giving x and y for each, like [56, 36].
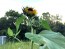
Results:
[30, 9]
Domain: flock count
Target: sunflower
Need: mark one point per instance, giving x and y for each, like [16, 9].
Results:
[28, 11]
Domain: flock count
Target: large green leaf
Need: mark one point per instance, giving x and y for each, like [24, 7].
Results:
[34, 37]
[45, 24]
[10, 32]
[19, 21]
[52, 39]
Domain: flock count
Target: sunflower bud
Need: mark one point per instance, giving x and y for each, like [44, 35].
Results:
[30, 12]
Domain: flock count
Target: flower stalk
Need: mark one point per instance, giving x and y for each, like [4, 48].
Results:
[30, 13]
[32, 31]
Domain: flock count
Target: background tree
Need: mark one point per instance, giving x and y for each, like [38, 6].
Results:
[3, 25]
[10, 17]
[54, 22]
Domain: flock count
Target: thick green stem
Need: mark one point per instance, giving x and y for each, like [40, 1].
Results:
[32, 41]
[32, 31]
[17, 39]
[31, 44]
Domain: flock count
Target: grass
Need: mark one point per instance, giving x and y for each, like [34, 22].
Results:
[18, 45]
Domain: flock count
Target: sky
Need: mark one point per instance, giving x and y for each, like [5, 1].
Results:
[52, 6]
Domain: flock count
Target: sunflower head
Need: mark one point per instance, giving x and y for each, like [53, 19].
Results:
[28, 11]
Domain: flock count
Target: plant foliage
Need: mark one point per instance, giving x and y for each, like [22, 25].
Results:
[51, 39]
[10, 32]
[17, 24]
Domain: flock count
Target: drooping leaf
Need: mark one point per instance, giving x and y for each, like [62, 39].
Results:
[10, 32]
[19, 21]
[52, 39]
[45, 24]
